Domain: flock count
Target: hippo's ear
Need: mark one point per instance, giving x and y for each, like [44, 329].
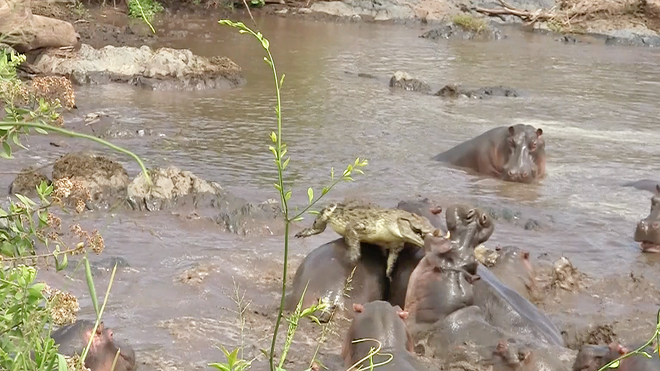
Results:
[502, 346]
[622, 350]
[403, 314]
[525, 255]
[657, 188]
[539, 132]
[511, 130]
[436, 210]
[358, 307]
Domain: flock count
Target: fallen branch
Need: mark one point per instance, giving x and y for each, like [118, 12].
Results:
[528, 17]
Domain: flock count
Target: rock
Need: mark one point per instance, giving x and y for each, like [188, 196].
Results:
[169, 185]
[632, 39]
[402, 80]
[451, 30]
[244, 218]
[378, 10]
[95, 180]
[304, 11]
[25, 31]
[455, 91]
[162, 69]
[27, 181]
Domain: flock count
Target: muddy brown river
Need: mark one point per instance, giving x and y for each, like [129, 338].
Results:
[597, 106]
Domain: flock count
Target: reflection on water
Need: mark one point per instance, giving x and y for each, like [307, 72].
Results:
[597, 106]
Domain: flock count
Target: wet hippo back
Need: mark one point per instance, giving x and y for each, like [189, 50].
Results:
[644, 185]
[327, 267]
[506, 309]
[513, 268]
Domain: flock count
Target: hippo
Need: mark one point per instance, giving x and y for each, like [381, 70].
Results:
[435, 290]
[506, 309]
[515, 153]
[593, 357]
[647, 232]
[327, 267]
[511, 356]
[381, 321]
[72, 339]
[513, 268]
[410, 255]
[644, 185]
[465, 234]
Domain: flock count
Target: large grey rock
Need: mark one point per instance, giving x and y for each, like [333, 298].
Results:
[162, 69]
[379, 10]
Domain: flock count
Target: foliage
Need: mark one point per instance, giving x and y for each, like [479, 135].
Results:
[145, 9]
[470, 22]
[29, 309]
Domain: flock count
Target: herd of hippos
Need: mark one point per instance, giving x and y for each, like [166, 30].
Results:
[455, 309]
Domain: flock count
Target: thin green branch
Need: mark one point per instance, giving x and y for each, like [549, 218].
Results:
[84, 136]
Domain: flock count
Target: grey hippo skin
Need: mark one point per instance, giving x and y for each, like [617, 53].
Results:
[433, 290]
[327, 267]
[514, 153]
[506, 309]
[647, 232]
[73, 338]
[381, 321]
[466, 234]
[644, 185]
[514, 269]
[410, 256]
[510, 356]
[593, 357]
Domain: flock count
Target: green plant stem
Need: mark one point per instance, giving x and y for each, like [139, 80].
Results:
[145, 17]
[639, 350]
[98, 318]
[84, 136]
[285, 207]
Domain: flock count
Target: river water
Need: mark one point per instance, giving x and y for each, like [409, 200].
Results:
[597, 107]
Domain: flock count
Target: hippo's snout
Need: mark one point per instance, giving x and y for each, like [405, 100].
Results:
[520, 175]
[647, 234]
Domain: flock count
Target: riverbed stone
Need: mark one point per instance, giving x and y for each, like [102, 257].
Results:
[100, 178]
[160, 69]
[451, 30]
[379, 10]
[169, 184]
[402, 80]
[27, 181]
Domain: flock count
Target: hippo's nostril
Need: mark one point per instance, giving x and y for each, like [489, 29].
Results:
[525, 174]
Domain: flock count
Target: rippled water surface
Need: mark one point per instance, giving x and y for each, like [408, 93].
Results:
[596, 105]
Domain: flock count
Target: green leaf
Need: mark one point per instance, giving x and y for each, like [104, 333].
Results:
[41, 131]
[219, 366]
[281, 80]
[264, 42]
[313, 212]
[273, 150]
[61, 265]
[6, 151]
[615, 364]
[325, 190]
[273, 137]
[287, 195]
[297, 219]
[267, 61]
[26, 201]
[286, 163]
[332, 173]
[91, 287]
[310, 194]
[61, 363]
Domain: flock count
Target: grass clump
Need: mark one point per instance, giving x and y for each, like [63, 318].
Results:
[470, 22]
[145, 9]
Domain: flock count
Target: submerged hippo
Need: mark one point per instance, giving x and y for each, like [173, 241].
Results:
[593, 357]
[73, 338]
[326, 269]
[513, 268]
[515, 153]
[509, 355]
[644, 185]
[381, 321]
[647, 232]
[506, 309]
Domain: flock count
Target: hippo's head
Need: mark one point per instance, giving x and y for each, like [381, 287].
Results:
[523, 149]
[377, 320]
[469, 226]
[591, 358]
[647, 232]
[509, 356]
